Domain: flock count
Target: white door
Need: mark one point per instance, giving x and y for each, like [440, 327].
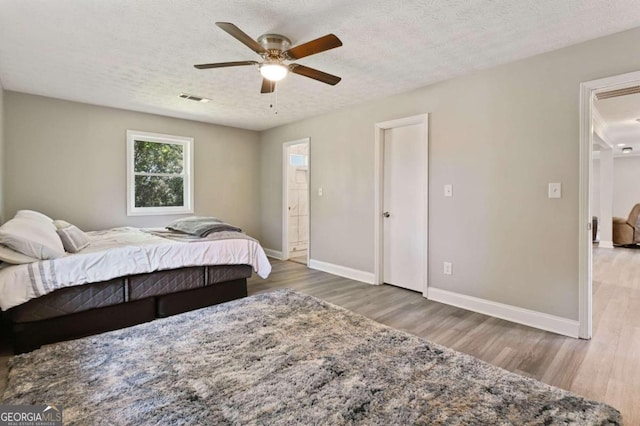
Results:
[404, 207]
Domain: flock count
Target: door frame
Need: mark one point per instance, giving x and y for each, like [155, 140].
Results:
[379, 194]
[585, 246]
[285, 198]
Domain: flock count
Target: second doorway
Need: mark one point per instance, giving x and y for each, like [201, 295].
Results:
[296, 201]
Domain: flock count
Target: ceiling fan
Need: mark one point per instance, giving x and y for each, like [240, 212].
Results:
[275, 51]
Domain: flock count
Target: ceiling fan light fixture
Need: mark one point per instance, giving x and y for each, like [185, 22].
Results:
[274, 71]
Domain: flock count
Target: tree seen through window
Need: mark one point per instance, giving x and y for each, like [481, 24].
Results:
[159, 174]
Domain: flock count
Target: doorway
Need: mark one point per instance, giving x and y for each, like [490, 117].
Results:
[295, 227]
[401, 208]
[588, 127]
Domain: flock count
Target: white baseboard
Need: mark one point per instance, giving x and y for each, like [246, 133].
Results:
[605, 244]
[528, 317]
[343, 271]
[274, 253]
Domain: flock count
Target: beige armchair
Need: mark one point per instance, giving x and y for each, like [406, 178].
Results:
[624, 229]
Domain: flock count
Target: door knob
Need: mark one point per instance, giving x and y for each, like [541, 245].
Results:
[386, 214]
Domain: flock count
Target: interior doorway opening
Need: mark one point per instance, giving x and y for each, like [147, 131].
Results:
[295, 235]
[596, 136]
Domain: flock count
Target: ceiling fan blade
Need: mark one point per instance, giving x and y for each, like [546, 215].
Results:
[268, 86]
[314, 74]
[239, 35]
[225, 64]
[312, 47]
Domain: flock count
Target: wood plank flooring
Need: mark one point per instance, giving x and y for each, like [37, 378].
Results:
[606, 368]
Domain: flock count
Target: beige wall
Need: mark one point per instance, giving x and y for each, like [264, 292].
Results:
[67, 160]
[499, 136]
[626, 184]
[1, 153]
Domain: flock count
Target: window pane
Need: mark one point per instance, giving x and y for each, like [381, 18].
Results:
[159, 191]
[298, 160]
[152, 157]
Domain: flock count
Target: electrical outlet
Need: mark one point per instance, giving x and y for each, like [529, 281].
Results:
[448, 268]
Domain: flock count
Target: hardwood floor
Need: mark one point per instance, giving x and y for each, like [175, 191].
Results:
[299, 259]
[605, 368]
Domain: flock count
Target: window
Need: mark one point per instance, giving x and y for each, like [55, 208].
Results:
[159, 174]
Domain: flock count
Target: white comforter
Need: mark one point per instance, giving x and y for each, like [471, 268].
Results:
[125, 251]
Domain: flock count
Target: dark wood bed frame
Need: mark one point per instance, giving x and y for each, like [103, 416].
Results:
[88, 309]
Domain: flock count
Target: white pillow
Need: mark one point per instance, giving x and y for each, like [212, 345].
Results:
[34, 215]
[32, 236]
[73, 239]
[11, 256]
[61, 224]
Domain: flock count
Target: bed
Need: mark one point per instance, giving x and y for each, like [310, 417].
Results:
[123, 277]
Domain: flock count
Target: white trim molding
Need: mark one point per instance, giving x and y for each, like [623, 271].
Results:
[605, 244]
[585, 261]
[378, 275]
[601, 129]
[342, 271]
[273, 253]
[535, 319]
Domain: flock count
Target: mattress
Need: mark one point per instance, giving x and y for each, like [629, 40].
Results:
[81, 298]
[70, 300]
[122, 252]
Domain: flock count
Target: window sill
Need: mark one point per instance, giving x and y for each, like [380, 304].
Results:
[150, 211]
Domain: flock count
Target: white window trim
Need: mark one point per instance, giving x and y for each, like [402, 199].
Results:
[187, 143]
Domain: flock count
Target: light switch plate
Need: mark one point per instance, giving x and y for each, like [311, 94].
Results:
[448, 268]
[555, 190]
[448, 190]
[320, 192]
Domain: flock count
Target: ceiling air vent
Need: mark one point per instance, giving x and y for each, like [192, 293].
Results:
[618, 92]
[194, 98]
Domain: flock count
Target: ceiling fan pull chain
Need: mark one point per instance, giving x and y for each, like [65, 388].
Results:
[274, 91]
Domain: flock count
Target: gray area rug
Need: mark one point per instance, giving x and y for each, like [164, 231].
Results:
[282, 358]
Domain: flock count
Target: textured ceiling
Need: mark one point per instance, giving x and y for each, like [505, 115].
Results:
[139, 55]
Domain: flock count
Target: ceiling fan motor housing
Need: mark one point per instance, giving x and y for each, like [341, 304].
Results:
[274, 43]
